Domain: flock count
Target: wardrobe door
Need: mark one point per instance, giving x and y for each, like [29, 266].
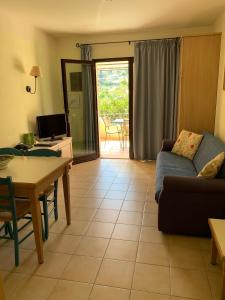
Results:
[199, 67]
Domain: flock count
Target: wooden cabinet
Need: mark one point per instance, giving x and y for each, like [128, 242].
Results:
[65, 145]
[199, 66]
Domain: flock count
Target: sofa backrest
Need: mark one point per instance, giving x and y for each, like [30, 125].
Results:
[210, 146]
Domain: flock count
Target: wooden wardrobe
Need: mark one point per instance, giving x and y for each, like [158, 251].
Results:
[199, 67]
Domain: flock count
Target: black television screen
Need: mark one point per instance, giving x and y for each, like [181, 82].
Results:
[51, 125]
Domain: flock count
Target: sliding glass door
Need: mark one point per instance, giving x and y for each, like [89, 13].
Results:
[80, 104]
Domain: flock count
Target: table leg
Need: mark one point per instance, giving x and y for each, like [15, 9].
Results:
[214, 252]
[36, 219]
[66, 190]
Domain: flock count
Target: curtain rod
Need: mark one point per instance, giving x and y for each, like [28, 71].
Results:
[78, 45]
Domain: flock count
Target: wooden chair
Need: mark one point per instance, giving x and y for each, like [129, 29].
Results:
[52, 189]
[12, 210]
[12, 151]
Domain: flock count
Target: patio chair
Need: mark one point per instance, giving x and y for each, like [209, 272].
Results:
[110, 128]
[125, 133]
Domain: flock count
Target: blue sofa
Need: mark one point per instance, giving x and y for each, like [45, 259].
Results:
[186, 201]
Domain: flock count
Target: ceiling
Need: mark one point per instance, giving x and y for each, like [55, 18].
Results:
[101, 16]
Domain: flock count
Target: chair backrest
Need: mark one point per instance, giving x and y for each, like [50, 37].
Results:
[12, 151]
[43, 152]
[7, 201]
[106, 121]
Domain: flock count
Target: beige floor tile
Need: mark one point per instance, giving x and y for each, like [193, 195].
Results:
[122, 180]
[82, 268]
[102, 185]
[96, 193]
[35, 288]
[88, 202]
[186, 258]
[75, 228]
[12, 281]
[190, 284]
[115, 273]
[106, 215]
[133, 206]
[152, 278]
[115, 195]
[150, 253]
[70, 290]
[153, 235]
[53, 265]
[77, 191]
[130, 217]
[62, 243]
[119, 187]
[126, 232]
[184, 241]
[140, 295]
[215, 282]
[150, 220]
[83, 214]
[122, 250]
[100, 229]
[105, 179]
[91, 246]
[99, 293]
[111, 204]
[206, 255]
[135, 196]
[142, 188]
[7, 260]
[151, 207]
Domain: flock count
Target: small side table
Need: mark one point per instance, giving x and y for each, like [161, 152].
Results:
[217, 228]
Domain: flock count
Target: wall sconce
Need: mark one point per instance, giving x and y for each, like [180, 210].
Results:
[35, 71]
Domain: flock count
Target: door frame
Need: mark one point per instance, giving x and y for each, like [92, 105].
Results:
[130, 89]
[64, 61]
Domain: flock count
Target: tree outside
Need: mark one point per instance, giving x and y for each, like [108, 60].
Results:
[112, 85]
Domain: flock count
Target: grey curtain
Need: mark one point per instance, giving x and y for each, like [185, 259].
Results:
[87, 87]
[156, 95]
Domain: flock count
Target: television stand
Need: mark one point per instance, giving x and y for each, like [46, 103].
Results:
[52, 139]
[65, 145]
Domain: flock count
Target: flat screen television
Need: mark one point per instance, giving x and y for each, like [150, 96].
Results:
[51, 126]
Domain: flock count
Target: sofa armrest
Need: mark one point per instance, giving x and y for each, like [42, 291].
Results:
[181, 184]
[167, 145]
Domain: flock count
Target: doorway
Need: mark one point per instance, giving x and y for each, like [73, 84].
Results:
[82, 112]
[114, 82]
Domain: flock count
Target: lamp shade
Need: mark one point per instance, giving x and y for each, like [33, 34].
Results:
[35, 71]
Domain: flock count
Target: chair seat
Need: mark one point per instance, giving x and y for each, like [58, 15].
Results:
[22, 208]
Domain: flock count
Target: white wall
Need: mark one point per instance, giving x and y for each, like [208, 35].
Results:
[23, 46]
[220, 110]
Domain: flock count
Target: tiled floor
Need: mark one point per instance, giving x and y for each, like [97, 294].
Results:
[113, 249]
[114, 149]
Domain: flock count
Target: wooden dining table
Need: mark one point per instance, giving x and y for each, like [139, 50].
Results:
[31, 176]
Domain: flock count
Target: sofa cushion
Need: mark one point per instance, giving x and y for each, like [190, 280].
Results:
[208, 149]
[172, 165]
[212, 168]
[187, 144]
